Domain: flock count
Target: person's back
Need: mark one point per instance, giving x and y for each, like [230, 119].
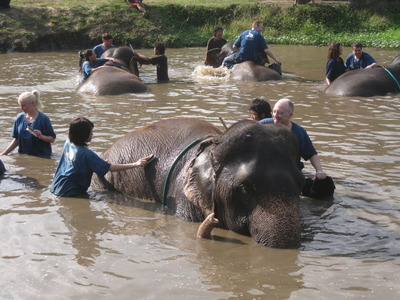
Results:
[251, 42]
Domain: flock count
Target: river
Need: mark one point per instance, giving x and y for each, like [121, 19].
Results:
[105, 248]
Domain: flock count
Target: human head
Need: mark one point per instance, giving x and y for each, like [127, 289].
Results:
[87, 54]
[80, 131]
[260, 109]
[107, 39]
[334, 51]
[218, 31]
[31, 97]
[159, 48]
[357, 49]
[258, 26]
[283, 112]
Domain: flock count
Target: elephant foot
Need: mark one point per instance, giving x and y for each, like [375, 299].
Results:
[207, 226]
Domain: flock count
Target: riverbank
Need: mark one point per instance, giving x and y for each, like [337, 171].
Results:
[39, 28]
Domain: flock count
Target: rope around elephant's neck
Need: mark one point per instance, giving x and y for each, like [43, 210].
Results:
[390, 73]
[165, 187]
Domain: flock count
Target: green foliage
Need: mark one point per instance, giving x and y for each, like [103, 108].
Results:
[192, 25]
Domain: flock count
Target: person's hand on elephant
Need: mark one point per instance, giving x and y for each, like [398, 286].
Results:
[140, 163]
[320, 175]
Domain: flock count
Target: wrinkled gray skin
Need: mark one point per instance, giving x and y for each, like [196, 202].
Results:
[245, 71]
[247, 176]
[367, 83]
[111, 80]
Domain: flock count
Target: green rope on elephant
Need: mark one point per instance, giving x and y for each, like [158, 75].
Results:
[390, 73]
[165, 187]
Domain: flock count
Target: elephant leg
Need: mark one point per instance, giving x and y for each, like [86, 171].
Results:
[207, 226]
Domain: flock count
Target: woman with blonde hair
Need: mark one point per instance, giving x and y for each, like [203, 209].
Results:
[32, 131]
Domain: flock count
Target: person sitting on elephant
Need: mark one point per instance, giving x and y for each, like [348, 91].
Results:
[107, 44]
[250, 43]
[90, 63]
[359, 59]
[261, 111]
[78, 163]
[335, 65]
[159, 59]
[216, 42]
[282, 114]
[32, 131]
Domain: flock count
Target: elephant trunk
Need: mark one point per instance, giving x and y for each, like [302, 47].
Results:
[207, 226]
[278, 225]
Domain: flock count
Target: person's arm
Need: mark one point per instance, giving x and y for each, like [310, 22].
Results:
[10, 147]
[373, 65]
[269, 53]
[316, 163]
[140, 163]
[328, 81]
[142, 58]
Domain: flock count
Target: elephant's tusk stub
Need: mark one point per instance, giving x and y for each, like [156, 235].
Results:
[207, 226]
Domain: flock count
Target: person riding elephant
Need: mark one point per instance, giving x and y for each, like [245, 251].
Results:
[245, 179]
[368, 82]
[247, 70]
[116, 76]
[250, 43]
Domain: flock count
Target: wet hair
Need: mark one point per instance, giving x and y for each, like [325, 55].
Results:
[261, 108]
[256, 24]
[79, 131]
[216, 29]
[356, 45]
[31, 97]
[106, 36]
[84, 56]
[160, 47]
[333, 52]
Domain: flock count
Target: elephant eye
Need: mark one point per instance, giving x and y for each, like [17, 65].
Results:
[245, 189]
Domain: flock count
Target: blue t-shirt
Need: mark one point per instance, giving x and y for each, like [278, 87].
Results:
[27, 142]
[75, 170]
[98, 49]
[87, 67]
[306, 148]
[266, 121]
[364, 61]
[334, 69]
[251, 43]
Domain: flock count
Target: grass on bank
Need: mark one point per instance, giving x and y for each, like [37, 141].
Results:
[184, 23]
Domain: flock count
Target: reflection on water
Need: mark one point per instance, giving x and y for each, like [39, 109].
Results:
[109, 245]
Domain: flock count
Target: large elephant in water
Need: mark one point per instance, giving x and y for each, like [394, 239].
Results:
[247, 176]
[368, 82]
[244, 71]
[116, 77]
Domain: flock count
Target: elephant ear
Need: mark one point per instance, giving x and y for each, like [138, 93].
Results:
[199, 182]
[213, 59]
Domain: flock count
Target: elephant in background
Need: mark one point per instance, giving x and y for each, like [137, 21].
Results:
[114, 78]
[246, 177]
[377, 81]
[247, 70]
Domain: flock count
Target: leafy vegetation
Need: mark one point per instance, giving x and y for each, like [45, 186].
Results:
[48, 24]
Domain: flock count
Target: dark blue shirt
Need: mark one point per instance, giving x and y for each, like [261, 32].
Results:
[251, 43]
[364, 61]
[334, 69]
[27, 142]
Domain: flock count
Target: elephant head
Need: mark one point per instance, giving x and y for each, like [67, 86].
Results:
[249, 180]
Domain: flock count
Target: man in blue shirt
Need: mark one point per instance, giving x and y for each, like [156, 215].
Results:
[359, 59]
[282, 113]
[107, 44]
[250, 44]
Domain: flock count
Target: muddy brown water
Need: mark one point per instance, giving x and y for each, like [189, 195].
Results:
[105, 248]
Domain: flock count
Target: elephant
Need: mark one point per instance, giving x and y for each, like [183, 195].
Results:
[377, 81]
[244, 179]
[247, 70]
[114, 78]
